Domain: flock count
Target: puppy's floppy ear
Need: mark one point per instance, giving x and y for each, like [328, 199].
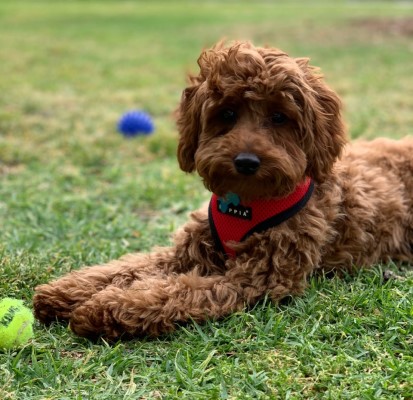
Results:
[327, 131]
[189, 125]
[189, 113]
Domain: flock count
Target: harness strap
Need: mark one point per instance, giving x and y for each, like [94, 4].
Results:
[230, 220]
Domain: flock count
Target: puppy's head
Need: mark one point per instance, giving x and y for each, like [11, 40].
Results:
[256, 122]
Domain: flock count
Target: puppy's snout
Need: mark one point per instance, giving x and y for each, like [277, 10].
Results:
[247, 163]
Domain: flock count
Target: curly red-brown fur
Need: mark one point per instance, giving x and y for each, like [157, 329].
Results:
[259, 102]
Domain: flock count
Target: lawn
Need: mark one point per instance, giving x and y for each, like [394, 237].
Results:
[73, 192]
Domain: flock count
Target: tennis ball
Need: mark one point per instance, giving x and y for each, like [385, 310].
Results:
[16, 323]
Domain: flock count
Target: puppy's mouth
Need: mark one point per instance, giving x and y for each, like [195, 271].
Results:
[251, 177]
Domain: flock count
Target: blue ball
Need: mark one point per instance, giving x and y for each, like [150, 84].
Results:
[134, 123]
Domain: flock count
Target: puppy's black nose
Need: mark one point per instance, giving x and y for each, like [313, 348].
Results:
[247, 163]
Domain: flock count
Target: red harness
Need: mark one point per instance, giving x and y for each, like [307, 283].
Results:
[231, 220]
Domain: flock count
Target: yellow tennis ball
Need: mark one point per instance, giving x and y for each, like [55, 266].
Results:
[16, 323]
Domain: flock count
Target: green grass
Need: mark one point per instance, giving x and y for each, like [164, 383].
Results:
[73, 192]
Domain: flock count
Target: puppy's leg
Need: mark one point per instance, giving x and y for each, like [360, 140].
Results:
[156, 305]
[59, 298]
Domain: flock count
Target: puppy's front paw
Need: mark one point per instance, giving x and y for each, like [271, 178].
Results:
[50, 304]
[115, 313]
[92, 322]
[100, 316]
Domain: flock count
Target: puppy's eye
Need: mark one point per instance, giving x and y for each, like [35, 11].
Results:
[228, 116]
[278, 118]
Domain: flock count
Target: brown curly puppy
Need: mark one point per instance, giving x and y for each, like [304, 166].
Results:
[265, 133]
